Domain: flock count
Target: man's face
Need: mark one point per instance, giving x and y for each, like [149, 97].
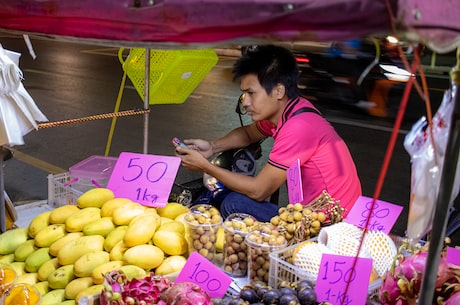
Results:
[258, 104]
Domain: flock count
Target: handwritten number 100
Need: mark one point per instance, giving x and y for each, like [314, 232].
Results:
[154, 172]
[348, 276]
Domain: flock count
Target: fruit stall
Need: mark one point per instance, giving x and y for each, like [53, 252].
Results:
[88, 245]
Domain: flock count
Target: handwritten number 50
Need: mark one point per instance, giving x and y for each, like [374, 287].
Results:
[154, 172]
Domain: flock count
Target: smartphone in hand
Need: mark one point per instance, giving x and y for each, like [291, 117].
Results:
[176, 142]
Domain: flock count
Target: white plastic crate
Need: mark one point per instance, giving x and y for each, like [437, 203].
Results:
[62, 190]
[282, 269]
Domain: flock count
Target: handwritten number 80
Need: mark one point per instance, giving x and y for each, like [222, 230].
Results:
[154, 172]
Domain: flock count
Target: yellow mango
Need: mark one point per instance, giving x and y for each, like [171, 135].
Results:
[11, 239]
[53, 297]
[141, 229]
[164, 220]
[42, 287]
[27, 278]
[74, 249]
[47, 268]
[102, 226]
[24, 250]
[76, 285]
[170, 242]
[117, 251]
[132, 271]
[57, 245]
[109, 206]
[19, 267]
[172, 210]
[61, 277]
[38, 223]
[173, 226]
[68, 302]
[144, 256]
[95, 197]
[171, 264]
[99, 271]
[7, 258]
[95, 289]
[78, 220]
[49, 235]
[36, 259]
[125, 213]
[60, 214]
[114, 237]
[89, 261]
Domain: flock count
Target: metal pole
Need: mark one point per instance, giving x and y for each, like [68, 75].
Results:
[146, 100]
[442, 206]
[2, 194]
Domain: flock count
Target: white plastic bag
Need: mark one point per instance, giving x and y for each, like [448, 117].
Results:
[427, 163]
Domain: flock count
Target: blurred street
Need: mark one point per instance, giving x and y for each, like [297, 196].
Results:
[70, 81]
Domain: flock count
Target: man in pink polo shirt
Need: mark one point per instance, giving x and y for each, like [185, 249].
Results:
[268, 79]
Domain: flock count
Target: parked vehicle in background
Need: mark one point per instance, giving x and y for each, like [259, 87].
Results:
[367, 75]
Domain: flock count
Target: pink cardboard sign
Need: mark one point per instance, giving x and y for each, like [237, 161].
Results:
[205, 274]
[145, 179]
[342, 281]
[294, 183]
[383, 215]
[453, 256]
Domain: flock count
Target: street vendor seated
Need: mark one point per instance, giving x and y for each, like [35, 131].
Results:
[268, 80]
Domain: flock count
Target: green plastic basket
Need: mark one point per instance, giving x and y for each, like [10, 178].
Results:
[174, 74]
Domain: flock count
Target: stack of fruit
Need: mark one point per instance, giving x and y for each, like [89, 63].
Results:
[64, 252]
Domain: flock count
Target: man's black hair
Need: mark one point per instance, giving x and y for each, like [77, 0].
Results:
[272, 64]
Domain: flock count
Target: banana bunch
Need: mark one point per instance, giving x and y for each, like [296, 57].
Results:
[64, 252]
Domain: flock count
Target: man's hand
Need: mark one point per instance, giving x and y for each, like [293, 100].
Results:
[192, 160]
[202, 146]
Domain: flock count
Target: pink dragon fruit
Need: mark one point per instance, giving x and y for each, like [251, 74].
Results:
[119, 291]
[401, 284]
[185, 293]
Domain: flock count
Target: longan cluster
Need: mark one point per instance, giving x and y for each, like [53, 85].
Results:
[203, 222]
[236, 227]
[298, 222]
[262, 242]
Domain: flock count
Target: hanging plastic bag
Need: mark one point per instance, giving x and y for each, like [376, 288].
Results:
[426, 164]
[18, 112]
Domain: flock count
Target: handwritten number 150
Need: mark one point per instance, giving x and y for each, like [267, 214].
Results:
[153, 174]
[338, 273]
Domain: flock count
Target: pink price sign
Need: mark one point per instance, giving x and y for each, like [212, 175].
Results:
[145, 179]
[383, 215]
[453, 256]
[205, 274]
[294, 183]
[341, 280]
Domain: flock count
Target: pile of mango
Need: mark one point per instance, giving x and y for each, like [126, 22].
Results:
[64, 252]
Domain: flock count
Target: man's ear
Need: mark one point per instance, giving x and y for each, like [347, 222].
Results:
[279, 91]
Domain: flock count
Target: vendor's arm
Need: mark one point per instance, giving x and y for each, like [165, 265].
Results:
[237, 138]
[258, 188]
